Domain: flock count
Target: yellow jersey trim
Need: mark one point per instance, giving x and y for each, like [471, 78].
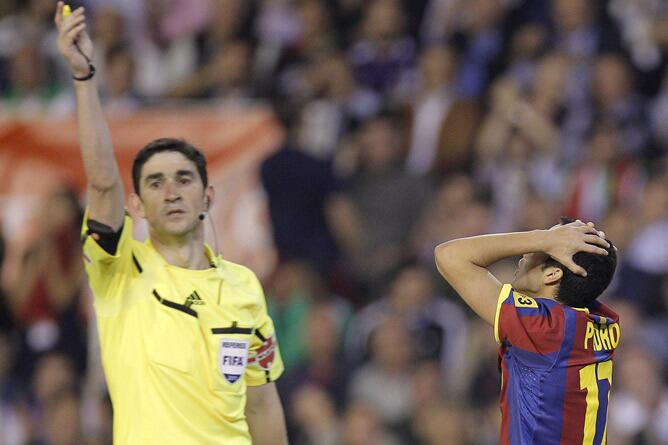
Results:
[505, 291]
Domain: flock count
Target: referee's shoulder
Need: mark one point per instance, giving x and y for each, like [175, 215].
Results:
[242, 276]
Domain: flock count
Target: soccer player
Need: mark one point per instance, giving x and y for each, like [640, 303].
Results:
[187, 346]
[556, 340]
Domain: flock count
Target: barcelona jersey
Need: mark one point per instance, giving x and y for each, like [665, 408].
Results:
[556, 365]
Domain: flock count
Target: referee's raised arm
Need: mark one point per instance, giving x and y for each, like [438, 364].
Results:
[106, 199]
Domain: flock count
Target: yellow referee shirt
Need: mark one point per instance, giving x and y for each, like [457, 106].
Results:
[179, 346]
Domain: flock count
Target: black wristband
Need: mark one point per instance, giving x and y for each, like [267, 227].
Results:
[88, 76]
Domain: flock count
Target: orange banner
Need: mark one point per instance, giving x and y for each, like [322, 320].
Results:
[38, 156]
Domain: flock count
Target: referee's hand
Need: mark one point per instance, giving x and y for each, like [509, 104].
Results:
[73, 41]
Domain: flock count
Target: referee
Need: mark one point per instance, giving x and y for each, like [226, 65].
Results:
[188, 349]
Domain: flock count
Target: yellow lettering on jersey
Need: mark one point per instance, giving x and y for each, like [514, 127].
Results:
[597, 340]
[603, 337]
[589, 333]
[522, 300]
[615, 333]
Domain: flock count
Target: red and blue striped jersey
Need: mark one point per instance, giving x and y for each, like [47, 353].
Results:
[556, 365]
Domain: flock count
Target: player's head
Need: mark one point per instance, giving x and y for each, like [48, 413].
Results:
[538, 272]
[171, 187]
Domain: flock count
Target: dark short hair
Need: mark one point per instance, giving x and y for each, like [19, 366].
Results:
[576, 290]
[168, 144]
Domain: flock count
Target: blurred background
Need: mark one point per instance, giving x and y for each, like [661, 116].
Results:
[346, 139]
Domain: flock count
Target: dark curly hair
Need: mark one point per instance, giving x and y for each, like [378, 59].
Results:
[576, 290]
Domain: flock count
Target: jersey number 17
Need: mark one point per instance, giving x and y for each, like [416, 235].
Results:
[593, 379]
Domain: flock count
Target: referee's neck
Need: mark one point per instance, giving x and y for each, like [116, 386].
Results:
[182, 251]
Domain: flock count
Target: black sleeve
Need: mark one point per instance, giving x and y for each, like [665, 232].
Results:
[108, 239]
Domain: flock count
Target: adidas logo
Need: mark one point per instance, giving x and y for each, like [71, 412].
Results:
[193, 298]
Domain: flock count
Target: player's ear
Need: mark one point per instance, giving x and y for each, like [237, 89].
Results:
[136, 205]
[552, 275]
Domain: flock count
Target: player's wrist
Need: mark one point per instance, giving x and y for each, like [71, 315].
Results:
[542, 240]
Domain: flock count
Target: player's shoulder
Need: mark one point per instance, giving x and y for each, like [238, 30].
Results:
[520, 300]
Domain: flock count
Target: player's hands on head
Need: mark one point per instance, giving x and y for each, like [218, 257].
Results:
[72, 33]
[565, 240]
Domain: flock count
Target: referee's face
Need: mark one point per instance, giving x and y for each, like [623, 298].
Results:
[172, 194]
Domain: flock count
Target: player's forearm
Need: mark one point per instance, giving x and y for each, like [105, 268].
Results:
[485, 250]
[463, 263]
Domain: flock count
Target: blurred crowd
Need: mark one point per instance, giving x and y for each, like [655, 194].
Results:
[408, 123]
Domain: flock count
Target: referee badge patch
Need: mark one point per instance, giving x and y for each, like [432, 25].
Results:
[232, 358]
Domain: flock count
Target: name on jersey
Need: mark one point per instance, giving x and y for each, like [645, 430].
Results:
[601, 336]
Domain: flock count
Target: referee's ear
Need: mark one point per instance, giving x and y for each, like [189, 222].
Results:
[136, 205]
[209, 195]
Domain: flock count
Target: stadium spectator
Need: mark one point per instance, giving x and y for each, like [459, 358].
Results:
[227, 76]
[441, 124]
[645, 264]
[45, 294]
[166, 53]
[436, 326]
[606, 177]
[315, 417]
[12, 412]
[109, 31]
[291, 294]
[480, 41]
[323, 364]
[387, 198]
[443, 423]
[228, 22]
[385, 381]
[118, 90]
[456, 196]
[361, 426]
[526, 46]
[62, 419]
[383, 55]
[31, 90]
[334, 104]
[615, 100]
[54, 375]
[311, 217]
[639, 405]
[580, 30]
